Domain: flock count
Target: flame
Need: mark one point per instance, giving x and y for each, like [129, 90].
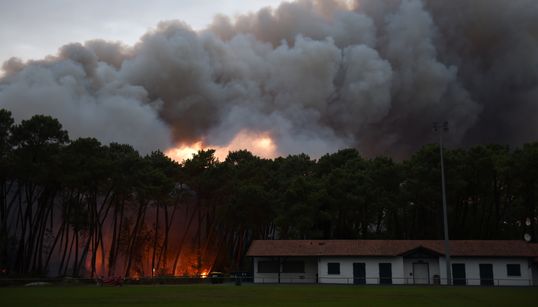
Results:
[260, 144]
[194, 260]
[184, 152]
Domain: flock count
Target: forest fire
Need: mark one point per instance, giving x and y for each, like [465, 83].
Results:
[173, 240]
[260, 144]
[184, 152]
[164, 240]
[190, 264]
[354, 85]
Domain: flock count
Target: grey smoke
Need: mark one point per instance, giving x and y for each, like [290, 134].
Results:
[319, 75]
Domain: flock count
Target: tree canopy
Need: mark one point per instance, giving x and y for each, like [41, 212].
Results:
[75, 207]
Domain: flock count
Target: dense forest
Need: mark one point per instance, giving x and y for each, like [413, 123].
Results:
[81, 208]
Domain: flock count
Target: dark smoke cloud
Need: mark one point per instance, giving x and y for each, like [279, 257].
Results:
[318, 75]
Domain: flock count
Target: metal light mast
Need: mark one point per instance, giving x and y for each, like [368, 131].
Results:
[441, 129]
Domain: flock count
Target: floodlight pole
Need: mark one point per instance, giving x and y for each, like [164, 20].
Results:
[441, 130]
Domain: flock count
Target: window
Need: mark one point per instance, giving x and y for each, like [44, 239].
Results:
[293, 267]
[268, 267]
[513, 270]
[333, 268]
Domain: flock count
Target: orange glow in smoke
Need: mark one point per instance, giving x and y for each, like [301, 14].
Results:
[184, 152]
[260, 144]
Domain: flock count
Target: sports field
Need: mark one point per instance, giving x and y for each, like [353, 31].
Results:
[266, 295]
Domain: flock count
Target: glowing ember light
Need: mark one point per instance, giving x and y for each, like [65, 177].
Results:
[204, 274]
[265, 143]
[184, 152]
[260, 144]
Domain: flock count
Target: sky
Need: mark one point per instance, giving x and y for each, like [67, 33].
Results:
[32, 29]
[313, 76]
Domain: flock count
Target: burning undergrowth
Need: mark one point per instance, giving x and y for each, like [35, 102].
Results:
[158, 241]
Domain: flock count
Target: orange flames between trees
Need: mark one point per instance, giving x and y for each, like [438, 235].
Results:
[113, 212]
[192, 263]
[169, 239]
[167, 251]
[183, 252]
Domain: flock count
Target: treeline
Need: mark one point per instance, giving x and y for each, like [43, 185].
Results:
[78, 207]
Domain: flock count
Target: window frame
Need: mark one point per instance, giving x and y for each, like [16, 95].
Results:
[334, 265]
[286, 269]
[276, 268]
[513, 265]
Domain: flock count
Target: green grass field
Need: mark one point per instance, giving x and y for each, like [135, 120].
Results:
[266, 295]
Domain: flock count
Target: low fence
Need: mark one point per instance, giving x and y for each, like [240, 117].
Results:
[175, 280]
[394, 281]
[157, 280]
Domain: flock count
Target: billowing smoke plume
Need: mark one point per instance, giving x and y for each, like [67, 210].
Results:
[317, 75]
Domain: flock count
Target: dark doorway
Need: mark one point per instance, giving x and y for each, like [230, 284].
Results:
[486, 274]
[359, 273]
[458, 274]
[385, 273]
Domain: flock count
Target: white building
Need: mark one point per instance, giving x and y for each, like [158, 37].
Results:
[473, 262]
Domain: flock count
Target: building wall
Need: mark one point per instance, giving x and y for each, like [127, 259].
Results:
[309, 276]
[433, 265]
[372, 269]
[316, 270]
[500, 276]
[534, 274]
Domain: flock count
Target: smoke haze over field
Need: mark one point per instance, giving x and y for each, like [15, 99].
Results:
[314, 75]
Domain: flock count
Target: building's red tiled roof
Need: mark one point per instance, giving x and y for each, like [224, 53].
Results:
[535, 247]
[484, 248]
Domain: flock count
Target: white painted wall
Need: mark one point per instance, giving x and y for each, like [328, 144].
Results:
[472, 270]
[372, 269]
[309, 276]
[534, 274]
[433, 264]
[401, 270]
